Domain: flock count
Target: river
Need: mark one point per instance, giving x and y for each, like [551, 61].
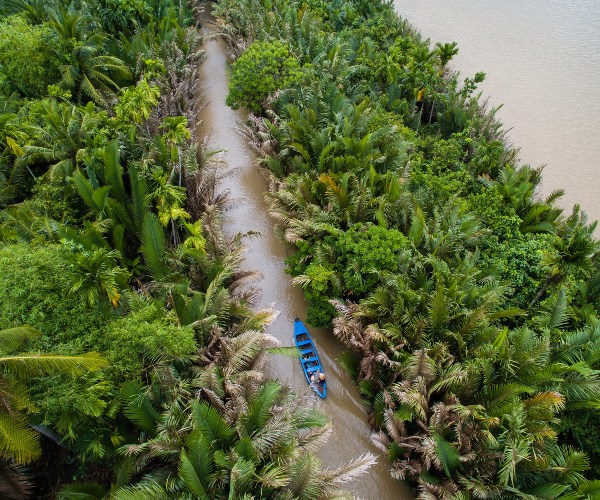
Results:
[265, 253]
[542, 61]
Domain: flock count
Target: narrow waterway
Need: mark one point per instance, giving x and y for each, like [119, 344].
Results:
[542, 61]
[266, 254]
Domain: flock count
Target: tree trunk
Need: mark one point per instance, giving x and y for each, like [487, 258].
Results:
[431, 113]
[551, 280]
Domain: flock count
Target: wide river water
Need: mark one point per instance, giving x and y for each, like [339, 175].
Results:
[542, 61]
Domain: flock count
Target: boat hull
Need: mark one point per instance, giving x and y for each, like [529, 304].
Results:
[309, 358]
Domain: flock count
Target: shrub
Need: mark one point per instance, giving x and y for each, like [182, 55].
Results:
[32, 284]
[264, 68]
[28, 60]
[143, 335]
[365, 248]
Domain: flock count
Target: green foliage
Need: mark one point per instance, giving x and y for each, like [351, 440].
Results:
[439, 168]
[580, 427]
[34, 281]
[154, 247]
[358, 255]
[399, 196]
[469, 304]
[144, 336]
[263, 453]
[103, 178]
[446, 454]
[28, 57]
[60, 143]
[364, 251]
[123, 15]
[320, 281]
[97, 272]
[136, 103]
[18, 442]
[264, 68]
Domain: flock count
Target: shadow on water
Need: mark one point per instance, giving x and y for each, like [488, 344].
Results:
[266, 254]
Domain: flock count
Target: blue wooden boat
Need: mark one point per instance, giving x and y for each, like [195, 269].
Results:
[309, 358]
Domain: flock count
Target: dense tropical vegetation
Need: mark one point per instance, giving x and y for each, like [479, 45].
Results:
[131, 358]
[469, 306]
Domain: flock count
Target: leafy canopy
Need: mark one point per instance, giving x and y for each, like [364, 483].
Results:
[28, 61]
[264, 68]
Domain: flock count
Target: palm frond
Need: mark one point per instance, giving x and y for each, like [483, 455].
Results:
[81, 491]
[12, 339]
[138, 408]
[193, 477]
[15, 483]
[18, 441]
[341, 476]
[143, 490]
[32, 365]
[113, 171]
[154, 247]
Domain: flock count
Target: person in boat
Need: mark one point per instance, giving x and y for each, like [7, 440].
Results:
[318, 378]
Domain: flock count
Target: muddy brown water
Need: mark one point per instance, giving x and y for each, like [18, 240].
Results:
[265, 253]
[542, 60]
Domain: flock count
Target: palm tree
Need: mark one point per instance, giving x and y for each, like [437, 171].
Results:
[89, 74]
[446, 51]
[572, 252]
[371, 346]
[223, 432]
[297, 210]
[430, 431]
[170, 201]
[18, 441]
[97, 272]
[136, 104]
[68, 24]
[61, 143]
[176, 133]
[35, 11]
[13, 174]
[249, 447]
[452, 425]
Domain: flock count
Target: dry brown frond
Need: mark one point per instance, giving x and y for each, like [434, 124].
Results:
[314, 440]
[394, 426]
[381, 441]
[339, 477]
